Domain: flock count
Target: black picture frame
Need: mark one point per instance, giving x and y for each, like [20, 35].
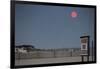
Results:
[12, 33]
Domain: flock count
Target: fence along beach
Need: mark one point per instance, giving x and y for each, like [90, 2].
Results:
[43, 56]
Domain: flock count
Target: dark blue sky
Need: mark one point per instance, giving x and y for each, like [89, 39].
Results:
[52, 26]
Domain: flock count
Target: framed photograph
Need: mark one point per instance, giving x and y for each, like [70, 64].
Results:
[50, 34]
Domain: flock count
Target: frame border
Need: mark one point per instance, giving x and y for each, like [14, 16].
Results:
[12, 33]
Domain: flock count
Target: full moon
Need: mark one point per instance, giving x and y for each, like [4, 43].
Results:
[73, 14]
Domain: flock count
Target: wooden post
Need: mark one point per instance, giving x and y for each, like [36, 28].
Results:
[82, 58]
[54, 53]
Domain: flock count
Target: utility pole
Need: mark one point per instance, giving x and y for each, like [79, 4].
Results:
[92, 51]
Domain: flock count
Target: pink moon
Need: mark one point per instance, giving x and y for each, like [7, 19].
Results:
[74, 14]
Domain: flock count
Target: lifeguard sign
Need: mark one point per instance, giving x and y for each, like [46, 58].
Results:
[85, 47]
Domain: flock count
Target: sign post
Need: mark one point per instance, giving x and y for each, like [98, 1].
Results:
[84, 47]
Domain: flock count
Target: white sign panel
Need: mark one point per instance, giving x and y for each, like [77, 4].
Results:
[83, 46]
